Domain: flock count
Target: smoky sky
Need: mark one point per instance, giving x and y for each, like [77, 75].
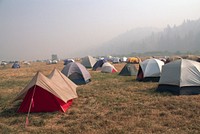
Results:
[36, 29]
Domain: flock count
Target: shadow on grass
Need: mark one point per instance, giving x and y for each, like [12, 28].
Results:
[152, 91]
[9, 111]
[131, 80]
[12, 112]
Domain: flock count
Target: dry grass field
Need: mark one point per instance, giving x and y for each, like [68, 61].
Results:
[109, 104]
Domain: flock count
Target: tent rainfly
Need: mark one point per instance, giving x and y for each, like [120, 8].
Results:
[108, 68]
[180, 77]
[150, 70]
[98, 65]
[88, 61]
[77, 73]
[128, 70]
[44, 95]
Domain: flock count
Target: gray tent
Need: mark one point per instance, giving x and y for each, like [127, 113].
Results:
[88, 61]
[77, 73]
[180, 77]
[129, 70]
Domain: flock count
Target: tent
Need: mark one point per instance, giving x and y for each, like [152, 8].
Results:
[192, 57]
[150, 70]
[65, 83]
[43, 95]
[98, 64]
[27, 63]
[128, 70]
[77, 73]
[108, 68]
[68, 61]
[134, 60]
[181, 77]
[88, 61]
[16, 65]
[172, 58]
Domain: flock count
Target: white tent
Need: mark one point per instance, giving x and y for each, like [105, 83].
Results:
[150, 70]
[108, 68]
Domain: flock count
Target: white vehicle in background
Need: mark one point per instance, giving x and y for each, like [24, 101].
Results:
[123, 59]
[54, 62]
[115, 60]
[27, 63]
[49, 61]
[3, 63]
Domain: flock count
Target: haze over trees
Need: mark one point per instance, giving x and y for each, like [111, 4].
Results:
[182, 38]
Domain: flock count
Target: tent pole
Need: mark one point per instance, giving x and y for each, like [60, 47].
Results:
[26, 124]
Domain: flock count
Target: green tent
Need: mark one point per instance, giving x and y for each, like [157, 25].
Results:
[129, 70]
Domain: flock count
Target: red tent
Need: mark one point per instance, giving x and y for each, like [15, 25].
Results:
[43, 95]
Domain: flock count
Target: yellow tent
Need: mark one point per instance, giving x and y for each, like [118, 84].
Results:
[134, 60]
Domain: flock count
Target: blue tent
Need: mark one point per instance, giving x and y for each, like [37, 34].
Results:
[16, 65]
[98, 64]
[68, 61]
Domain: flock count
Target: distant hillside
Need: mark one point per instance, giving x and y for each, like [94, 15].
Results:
[124, 42]
[184, 38]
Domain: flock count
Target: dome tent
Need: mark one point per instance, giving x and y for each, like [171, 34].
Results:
[181, 77]
[150, 70]
[108, 68]
[16, 65]
[88, 61]
[128, 70]
[77, 73]
[98, 64]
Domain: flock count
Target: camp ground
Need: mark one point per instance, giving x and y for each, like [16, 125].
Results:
[41, 98]
[99, 66]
